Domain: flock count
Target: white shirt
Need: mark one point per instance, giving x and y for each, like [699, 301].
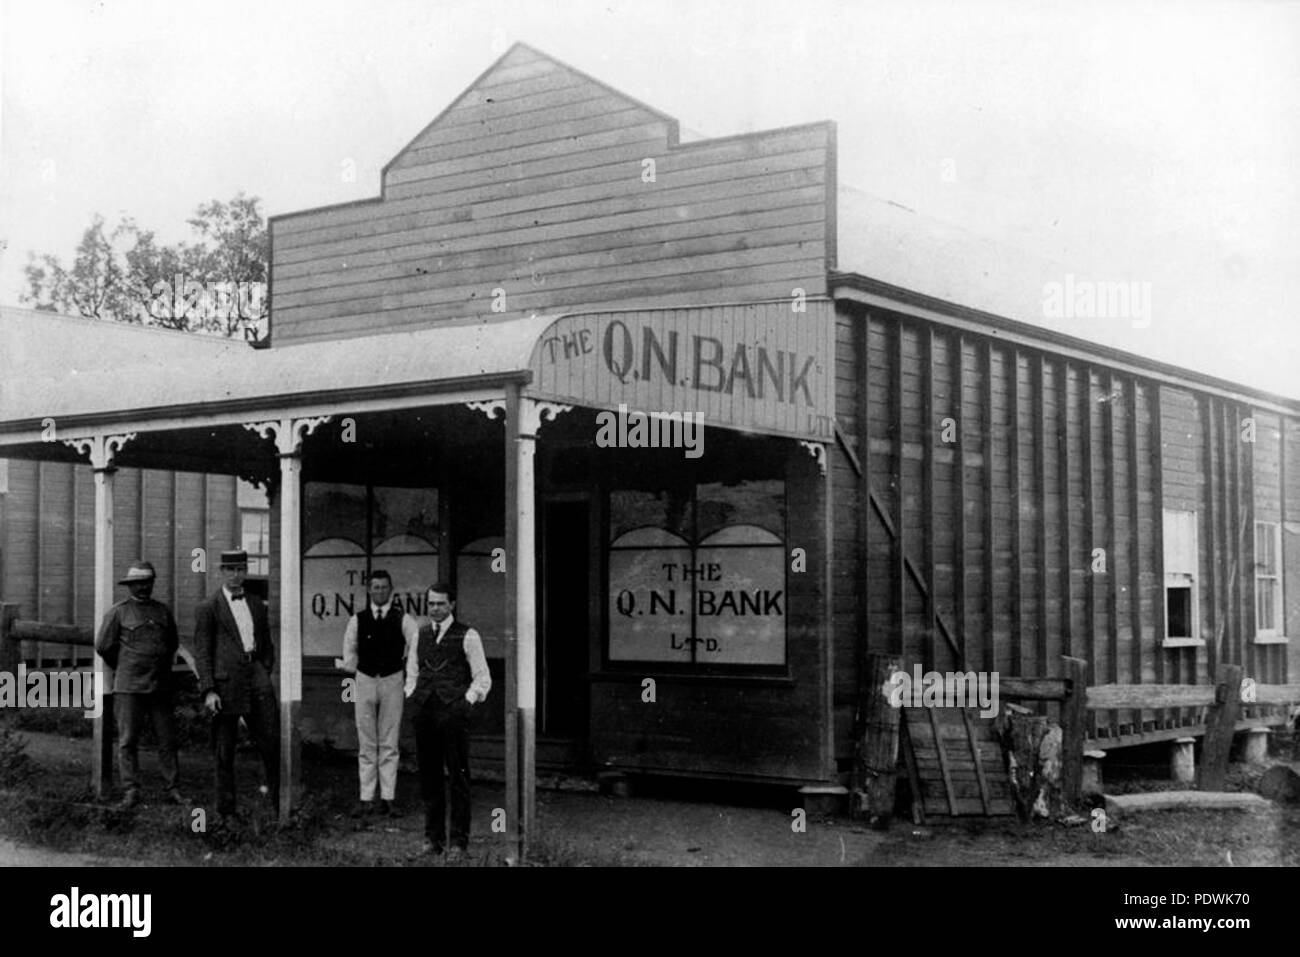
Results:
[481, 679]
[243, 619]
[410, 631]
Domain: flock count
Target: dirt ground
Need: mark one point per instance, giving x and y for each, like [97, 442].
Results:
[52, 820]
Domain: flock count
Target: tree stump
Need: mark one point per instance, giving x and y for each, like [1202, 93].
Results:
[1032, 746]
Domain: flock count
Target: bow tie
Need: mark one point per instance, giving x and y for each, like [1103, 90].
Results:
[236, 596]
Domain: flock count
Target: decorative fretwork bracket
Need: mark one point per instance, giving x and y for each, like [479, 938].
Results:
[287, 433]
[818, 451]
[489, 407]
[102, 448]
[533, 412]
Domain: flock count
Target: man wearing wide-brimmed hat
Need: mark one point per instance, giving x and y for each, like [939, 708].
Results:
[234, 657]
[138, 640]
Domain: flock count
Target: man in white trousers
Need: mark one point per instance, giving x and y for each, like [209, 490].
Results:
[376, 643]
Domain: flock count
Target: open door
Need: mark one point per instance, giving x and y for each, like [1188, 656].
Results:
[565, 579]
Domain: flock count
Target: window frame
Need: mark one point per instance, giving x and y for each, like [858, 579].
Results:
[694, 669]
[1189, 578]
[1276, 634]
[254, 557]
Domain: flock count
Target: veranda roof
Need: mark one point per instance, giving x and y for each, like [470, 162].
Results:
[54, 366]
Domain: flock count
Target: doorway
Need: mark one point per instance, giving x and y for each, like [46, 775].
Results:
[565, 625]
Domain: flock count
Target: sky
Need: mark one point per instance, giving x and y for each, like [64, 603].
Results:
[1149, 143]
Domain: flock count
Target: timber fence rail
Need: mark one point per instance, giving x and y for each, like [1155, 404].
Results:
[1222, 700]
[14, 631]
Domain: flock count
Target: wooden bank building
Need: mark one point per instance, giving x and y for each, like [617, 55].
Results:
[848, 465]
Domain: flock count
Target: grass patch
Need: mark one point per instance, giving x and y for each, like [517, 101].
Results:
[15, 765]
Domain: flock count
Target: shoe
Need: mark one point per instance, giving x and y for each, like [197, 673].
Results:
[388, 808]
[364, 809]
[455, 854]
[174, 796]
[130, 799]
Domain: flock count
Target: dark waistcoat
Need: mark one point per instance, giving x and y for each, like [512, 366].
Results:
[380, 642]
[444, 667]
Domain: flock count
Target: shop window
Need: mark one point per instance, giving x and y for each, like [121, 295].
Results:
[349, 530]
[1180, 569]
[698, 578]
[404, 541]
[1268, 580]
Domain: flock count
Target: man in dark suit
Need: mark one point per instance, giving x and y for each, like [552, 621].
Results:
[234, 656]
[446, 676]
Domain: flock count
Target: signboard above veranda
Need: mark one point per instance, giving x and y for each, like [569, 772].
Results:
[758, 367]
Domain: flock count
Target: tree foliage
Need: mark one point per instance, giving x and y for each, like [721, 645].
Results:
[214, 283]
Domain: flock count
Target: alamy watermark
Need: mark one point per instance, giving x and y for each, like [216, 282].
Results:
[77, 910]
[53, 689]
[944, 689]
[1098, 299]
[651, 430]
[205, 302]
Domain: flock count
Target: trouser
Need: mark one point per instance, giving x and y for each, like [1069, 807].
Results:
[379, 727]
[263, 723]
[442, 738]
[131, 711]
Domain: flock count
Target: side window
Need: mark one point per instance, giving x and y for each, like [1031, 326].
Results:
[1180, 568]
[1268, 580]
[255, 528]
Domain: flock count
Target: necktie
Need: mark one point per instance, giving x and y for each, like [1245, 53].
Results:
[236, 596]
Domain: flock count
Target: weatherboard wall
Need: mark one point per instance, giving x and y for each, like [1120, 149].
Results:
[532, 192]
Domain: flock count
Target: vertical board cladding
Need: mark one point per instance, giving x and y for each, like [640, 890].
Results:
[187, 536]
[973, 428]
[768, 729]
[48, 540]
[1227, 465]
[847, 572]
[54, 599]
[540, 188]
[882, 624]
[1063, 470]
[19, 542]
[1184, 487]
[1265, 490]
[1290, 512]
[1050, 618]
[1004, 529]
